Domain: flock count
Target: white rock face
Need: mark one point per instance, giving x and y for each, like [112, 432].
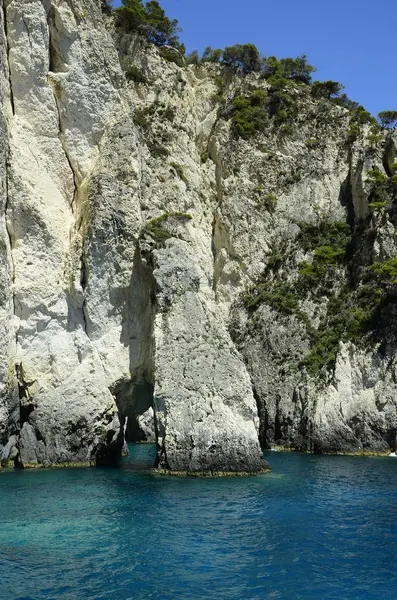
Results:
[63, 77]
[82, 304]
[205, 411]
[9, 404]
[133, 221]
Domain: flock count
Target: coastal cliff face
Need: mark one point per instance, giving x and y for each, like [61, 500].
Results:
[154, 259]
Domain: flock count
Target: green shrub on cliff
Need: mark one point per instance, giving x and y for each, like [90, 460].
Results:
[293, 69]
[383, 191]
[335, 234]
[376, 176]
[359, 116]
[326, 89]
[155, 228]
[386, 271]
[106, 7]
[242, 57]
[180, 171]
[193, 58]
[150, 20]
[212, 56]
[346, 314]
[280, 296]
[388, 119]
[248, 114]
[132, 73]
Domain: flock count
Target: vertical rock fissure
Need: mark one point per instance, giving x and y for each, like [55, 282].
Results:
[7, 167]
[7, 46]
[389, 155]
[83, 283]
[214, 155]
[13, 381]
[61, 138]
[10, 242]
[74, 202]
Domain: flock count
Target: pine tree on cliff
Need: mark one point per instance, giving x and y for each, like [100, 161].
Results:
[150, 20]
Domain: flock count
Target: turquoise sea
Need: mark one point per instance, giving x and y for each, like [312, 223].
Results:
[316, 528]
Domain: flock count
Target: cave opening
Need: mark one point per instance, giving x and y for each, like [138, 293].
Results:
[140, 417]
[134, 400]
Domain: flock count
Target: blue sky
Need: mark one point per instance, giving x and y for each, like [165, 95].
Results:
[350, 41]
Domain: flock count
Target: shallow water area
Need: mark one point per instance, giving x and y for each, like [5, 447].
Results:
[317, 527]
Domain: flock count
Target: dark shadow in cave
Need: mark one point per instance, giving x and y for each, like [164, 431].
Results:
[135, 395]
[133, 431]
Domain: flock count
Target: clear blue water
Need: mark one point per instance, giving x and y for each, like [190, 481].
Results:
[317, 528]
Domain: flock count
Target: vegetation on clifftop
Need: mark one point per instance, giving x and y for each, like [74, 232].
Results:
[150, 20]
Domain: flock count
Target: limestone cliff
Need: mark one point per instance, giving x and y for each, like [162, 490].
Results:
[143, 245]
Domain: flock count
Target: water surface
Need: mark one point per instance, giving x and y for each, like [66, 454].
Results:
[317, 528]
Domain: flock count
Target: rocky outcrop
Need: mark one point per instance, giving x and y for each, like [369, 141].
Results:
[97, 308]
[9, 403]
[154, 260]
[63, 75]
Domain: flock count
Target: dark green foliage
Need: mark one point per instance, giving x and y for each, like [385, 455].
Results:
[282, 106]
[271, 67]
[294, 69]
[347, 319]
[193, 58]
[377, 204]
[386, 271]
[212, 56]
[326, 89]
[106, 7]
[139, 118]
[204, 156]
[297, 69]
[356, 308]
[242, 57]
[155, 228]
[150, 20]
[344, 101]
[329, 255]
[328, 242]
[383, 191]
[363, 116]
[388, 119]
[376, 175]
[353, 132]
[157, 150]
[157, 108]
[220, 94]
[280, 297]
[359, 116]
[131, 15]
[270, 202]
[161, 110]
[166, 112]
[313, 143]
[374, 138]
[334, 234]
[346, 316]
[249, 114]
[132, 73]
[180, 171]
